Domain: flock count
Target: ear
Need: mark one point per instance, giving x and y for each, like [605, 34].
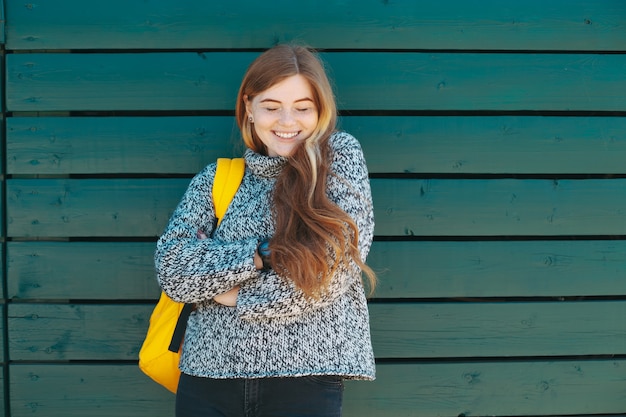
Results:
[248, 104]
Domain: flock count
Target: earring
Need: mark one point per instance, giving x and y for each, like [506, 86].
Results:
[250, 119]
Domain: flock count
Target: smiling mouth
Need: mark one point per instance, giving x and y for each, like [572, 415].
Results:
[286, 135]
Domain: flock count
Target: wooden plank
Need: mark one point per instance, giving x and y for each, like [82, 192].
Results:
[496, 145]
[126, 207]
[499, 207]
[51, 332]
[475, 269]
[385, 81]
[149, 81]
[531, 388]
[3, 271]
[482, 330]
[78, 145]
[392, 144]
[2, 161]
[478, 81]
[77, 331]
[415, 269]
[3, 134]
[523, 388]
[3, 392]
[403, 207]
[3, 337]
[2, 41]
[81, 270]
[64, 390]
[3, 230]
[529, 25]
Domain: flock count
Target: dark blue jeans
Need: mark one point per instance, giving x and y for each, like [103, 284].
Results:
[310, 396]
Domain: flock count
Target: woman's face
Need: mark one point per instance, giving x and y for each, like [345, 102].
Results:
[283, 115]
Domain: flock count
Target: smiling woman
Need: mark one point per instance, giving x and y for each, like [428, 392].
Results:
[280, 310]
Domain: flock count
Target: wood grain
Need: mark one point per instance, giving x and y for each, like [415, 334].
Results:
[530, 388]
[418, 269]
[402, 24]
[392, 144]
[499, 207]
[499, 269]
[81, 271]
[54, 332]
[185, 81]
[523, 388]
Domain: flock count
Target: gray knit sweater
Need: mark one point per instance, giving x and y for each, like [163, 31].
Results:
[274, 330]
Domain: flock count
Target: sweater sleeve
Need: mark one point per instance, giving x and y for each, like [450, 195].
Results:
[270, 295]
[192, 269]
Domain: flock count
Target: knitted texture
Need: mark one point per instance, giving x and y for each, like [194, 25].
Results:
[275, 330]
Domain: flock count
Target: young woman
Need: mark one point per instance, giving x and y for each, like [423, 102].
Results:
[281, 317]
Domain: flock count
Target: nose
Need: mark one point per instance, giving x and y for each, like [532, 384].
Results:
[286, 118]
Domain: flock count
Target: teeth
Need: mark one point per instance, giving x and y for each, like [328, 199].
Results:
[286, 135]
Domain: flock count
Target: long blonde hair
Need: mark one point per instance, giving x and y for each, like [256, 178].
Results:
[313, 235]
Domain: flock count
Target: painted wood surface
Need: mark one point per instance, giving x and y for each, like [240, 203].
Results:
[522, 388]
[138, 145]
[419, 269]
[2, 37]
[498, 329]
[3, 274]
[412, 81]
[494, 132]
[81, 271]
[355, 24]
[539, 388]
[403, 207]
[499, 207]
[101, 390]
[499, 268]
[392, 144]
[3, 210]
[3, 339]
[3, 398]
[56, 332]
[3, 334]
[92, 207]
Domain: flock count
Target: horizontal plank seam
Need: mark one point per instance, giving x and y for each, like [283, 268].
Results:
[380, 361]
[374, 300]
[536, 51]
[377, 238]
[493, 359]
[499, 299]
[372, 175]
[496, 238]
[341, 112]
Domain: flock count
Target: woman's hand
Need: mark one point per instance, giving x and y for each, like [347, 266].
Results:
[258, 261]
[228, 298]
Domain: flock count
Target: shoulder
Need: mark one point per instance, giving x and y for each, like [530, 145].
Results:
[343, 140]
[345, 149]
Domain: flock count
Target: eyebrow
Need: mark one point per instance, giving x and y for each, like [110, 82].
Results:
[271, 100]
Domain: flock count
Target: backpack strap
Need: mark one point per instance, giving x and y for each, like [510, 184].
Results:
[227, 179]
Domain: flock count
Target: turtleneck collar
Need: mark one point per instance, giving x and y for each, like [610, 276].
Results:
[264, 166]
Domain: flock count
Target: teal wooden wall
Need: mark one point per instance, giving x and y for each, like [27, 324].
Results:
[495, 133]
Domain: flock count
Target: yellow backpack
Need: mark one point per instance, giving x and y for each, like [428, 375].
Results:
[160, 353]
